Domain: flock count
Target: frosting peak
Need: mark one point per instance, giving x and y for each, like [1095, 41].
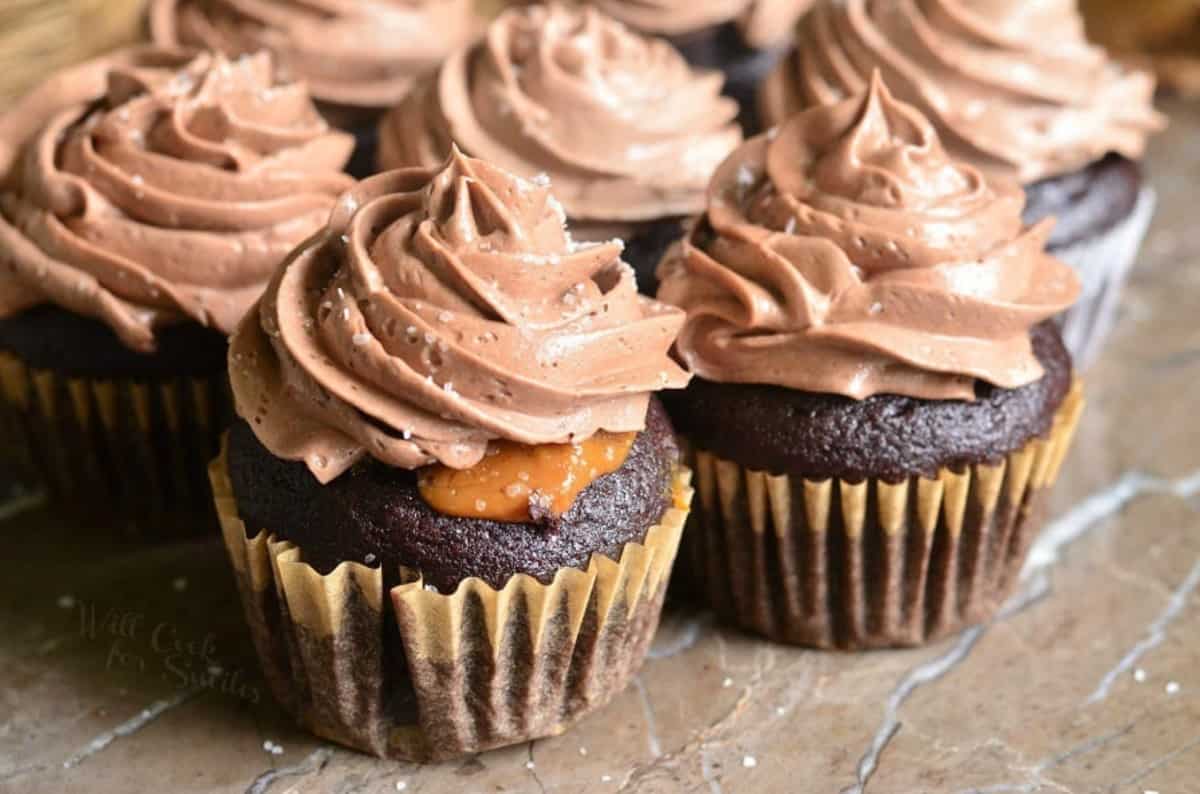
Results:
[889, 158]
[162, 187]
[354, 53]
[622, 125]
[847, 253]
[1001, 92]
[442, 310]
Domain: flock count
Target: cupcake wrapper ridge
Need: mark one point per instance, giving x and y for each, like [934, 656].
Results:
[419, 675]
[1103, 265]
[835, 564]
[126, 447]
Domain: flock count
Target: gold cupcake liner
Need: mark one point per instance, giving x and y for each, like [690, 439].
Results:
[836, 564]
[415, 674]
[133, 450]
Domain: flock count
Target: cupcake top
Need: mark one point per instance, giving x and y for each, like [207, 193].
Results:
[763, 23]
[1002, 92]
[162, 187]
[442, 310]
[847, 253]
[623, 126]
[352, 53]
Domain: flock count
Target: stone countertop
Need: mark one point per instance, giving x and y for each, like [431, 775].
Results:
[1090, 681]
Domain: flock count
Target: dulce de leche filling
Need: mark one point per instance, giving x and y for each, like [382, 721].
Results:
[517, 482]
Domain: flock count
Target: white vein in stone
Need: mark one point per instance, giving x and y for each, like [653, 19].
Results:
[1088, 746]
[129, 726]
[1036, 588]
[310, 763]
[1082, 518]
[1107, 502]
[22, 503]
[532, 768]
[1154, 766]
[688, 637]
[710, 776]
[1154, 636]
[648, 715]
[929, 671]
[1045, 552]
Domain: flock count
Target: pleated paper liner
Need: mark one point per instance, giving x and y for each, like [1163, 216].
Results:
[1103, 265]
[834, 564]
[419, 675]
[131, 453]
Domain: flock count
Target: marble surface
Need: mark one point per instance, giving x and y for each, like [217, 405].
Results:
[1090, 681]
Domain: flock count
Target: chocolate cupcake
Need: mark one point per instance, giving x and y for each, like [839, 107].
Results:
[147, 197]
[358, 57]
[880, 405]
[628, 133]
[742, 38]
[451, 501]
[1053, 112]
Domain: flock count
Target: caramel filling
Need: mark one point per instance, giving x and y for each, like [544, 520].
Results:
[515, 479]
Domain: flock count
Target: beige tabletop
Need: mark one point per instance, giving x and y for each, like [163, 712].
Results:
[1090, 682]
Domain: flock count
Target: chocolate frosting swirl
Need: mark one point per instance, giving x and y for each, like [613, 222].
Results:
[848, 254]
[763, 23]
[1012, 86]
[441, 310]
[172, 194]
[352, 53]
[623, 126]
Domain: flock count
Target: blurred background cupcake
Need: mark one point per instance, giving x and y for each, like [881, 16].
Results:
[880, 405]
[1052, 110]
[146, 198]
[628, 133]
[358, 57]
[451, 500]
[742, 38]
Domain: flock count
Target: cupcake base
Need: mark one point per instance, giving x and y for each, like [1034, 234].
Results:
[1085, 203]
[121, 451]
[362, 163]
[1103, 263]
[871, 564]
[411, 673]
[115, 436]
[1102, 213]
[375, 512]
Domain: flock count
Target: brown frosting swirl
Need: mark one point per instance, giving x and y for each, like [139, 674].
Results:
[763, 23]
[623, 126]
[169, 193]
[1003, 93]
[353, 53]
[848, 254]
[439, 311]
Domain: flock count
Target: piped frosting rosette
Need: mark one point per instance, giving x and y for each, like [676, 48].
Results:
[441, 310]
[847, 253]
[1010, 85]
[762, 23]
[352, 53]
[622, 125]
[168, 195]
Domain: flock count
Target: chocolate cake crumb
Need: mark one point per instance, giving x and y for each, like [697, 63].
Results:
[376, 511]
[888, 437]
